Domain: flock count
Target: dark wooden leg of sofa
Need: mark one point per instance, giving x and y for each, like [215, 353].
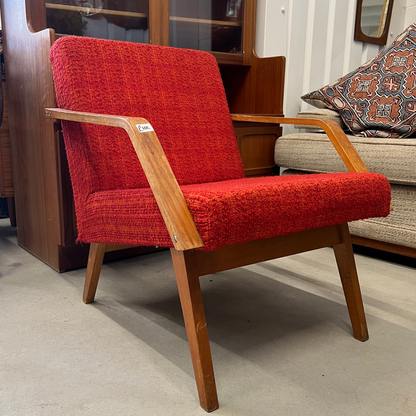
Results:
[196, 328]
[349, 278]
[95, 261]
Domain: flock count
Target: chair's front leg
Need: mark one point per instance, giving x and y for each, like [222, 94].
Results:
[349, 278]
[190, 295]
[95, 261]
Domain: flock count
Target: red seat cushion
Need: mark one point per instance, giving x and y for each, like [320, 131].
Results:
[237, 211]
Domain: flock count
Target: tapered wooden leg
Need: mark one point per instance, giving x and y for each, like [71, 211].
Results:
[349, 278]
[196, 328]
[95, 261]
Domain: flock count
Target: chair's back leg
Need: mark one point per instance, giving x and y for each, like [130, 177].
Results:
[349, 278]
[190, 295]
[95, 261]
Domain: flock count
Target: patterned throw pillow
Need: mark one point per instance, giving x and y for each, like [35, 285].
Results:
[379, 98]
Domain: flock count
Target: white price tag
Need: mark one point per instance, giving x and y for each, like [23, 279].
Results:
[144, 128]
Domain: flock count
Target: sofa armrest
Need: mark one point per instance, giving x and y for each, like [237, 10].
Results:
[322, 114]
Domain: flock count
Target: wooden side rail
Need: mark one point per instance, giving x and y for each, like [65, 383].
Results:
[162, 181]
[338, 138]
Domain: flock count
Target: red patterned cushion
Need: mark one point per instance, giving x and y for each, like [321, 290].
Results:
[179, 91]
[377, 99]
[237, 211]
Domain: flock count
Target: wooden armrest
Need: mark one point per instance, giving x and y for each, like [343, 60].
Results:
[338, 138]
[168, 195]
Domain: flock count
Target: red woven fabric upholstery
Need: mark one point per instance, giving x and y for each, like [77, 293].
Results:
[180, 92]
[237, 211]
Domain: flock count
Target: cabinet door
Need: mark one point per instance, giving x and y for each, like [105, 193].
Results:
[107, 19]
[223, 27]
[217, 26]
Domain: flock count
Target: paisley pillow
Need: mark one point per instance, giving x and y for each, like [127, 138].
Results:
[379, 98]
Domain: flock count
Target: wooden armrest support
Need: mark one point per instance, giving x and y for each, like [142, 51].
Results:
[338, 138]
[162, 181]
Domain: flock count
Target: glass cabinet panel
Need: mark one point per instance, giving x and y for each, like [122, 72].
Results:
[209, 25]
[107, 19]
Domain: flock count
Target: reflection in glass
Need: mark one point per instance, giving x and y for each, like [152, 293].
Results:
[213, 25]
[106, 19]
[373, 17]
[233, 7]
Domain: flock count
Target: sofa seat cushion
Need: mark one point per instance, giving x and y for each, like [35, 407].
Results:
[236, 211]
[399, 227]
[313, 152]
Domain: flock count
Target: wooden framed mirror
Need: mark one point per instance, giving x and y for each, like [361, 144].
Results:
[372, 20]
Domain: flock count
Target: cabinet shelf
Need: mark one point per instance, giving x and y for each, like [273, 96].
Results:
[204, 21]
[94, 10]
[139, 15]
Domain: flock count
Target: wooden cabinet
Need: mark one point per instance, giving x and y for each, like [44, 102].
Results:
[223, 27]
[6, 175]
[6, 178]
[45, 216]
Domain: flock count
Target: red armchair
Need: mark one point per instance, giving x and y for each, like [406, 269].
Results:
[172, 176]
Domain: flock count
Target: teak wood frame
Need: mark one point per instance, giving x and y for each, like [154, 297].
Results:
[189, 263]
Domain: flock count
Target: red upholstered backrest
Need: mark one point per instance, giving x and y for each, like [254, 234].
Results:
[179, 91]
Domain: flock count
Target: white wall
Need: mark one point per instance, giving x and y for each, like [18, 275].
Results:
[409, 12]
[317, 38]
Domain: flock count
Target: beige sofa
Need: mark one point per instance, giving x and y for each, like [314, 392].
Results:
[311, 151]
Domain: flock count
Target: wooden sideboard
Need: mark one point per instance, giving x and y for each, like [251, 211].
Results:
[45, 216]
